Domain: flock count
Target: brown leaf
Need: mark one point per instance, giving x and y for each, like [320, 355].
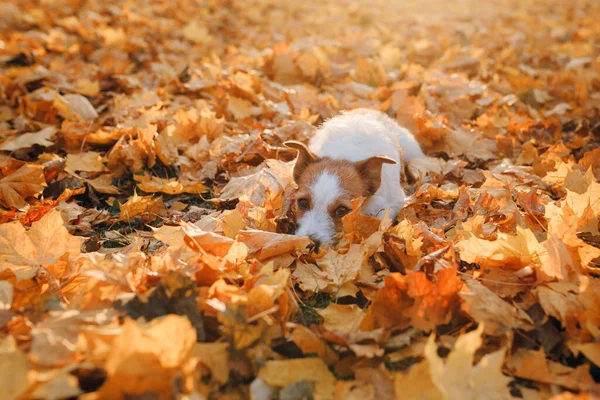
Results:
[147, 207]
[26, 181]
[148, 357]
[27, 140]
[74, 107]
[496, 315]
[533, 365]
[46, 243]
[456, 377]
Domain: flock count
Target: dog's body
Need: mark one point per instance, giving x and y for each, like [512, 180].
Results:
[358, 153]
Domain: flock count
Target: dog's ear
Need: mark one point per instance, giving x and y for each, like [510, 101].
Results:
[305, 157]
[370, 172]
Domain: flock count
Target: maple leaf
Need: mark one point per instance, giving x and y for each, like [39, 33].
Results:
[26, 140]
[414, 300]
[281, 373]
[274, 177]
[46, 243]
[148, 357]
[153, 184]
[74, 107]
[533, 365]
[308, 341]
[103, 184]
[215, 357]
[147, 207]
[26, 181]
[456, 377]
[90, 161]
[267, 244]
[14, 367]
[507, 251]
[496, 315]
[342, 269]
[343, 318]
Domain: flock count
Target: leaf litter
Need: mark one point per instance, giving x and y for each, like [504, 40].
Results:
[146, 245]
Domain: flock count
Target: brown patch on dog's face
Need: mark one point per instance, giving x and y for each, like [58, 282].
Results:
[351, 183]
[326, 188]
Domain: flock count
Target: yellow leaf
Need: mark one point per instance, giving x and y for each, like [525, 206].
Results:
[88, 87]
[61, 386]
[370, 72]
[310, 343]
[344, 318]
[147, 207]
[497, 316]
[172, 236]
[281, 373]
[153, 184]
[456, 377]
[27, 181]
[148, 357]
[342, 268]
[533, 365]
[13, 369]
[310, 277]
[74, 107]
[508, 251]
[241, 108]
[268, 244]
[47, 242]
[215, 356]
[88, 162]
[103, 184]
[197, 33]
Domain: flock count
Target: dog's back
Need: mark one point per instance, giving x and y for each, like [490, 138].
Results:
[359, 134]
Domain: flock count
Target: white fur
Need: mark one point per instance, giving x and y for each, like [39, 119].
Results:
[317, 222]
[355, 136]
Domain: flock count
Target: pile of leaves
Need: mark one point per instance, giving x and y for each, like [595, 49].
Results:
[146, 239]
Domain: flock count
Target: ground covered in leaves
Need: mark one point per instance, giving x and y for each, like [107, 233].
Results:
[145, 237]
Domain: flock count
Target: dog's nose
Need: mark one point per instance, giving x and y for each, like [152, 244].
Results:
[316, 241]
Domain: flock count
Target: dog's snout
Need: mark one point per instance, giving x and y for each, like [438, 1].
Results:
[315, 240]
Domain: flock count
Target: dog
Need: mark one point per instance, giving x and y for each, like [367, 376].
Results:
[358, 153]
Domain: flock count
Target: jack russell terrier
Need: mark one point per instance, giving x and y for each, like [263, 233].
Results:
[356, 154]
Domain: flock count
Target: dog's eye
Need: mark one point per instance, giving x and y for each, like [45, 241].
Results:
[341, 211]
[303, 204]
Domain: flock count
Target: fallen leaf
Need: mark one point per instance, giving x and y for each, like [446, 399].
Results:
[268, 244]
[13, 368]
[48, 242]
[90, 161]
[343, 318]
[74, 107]
[533, 365]
[149, 357]
[281, 373]
[25, 182]
[146, 207]
[496, 315]
[26, 140]
[456, 377]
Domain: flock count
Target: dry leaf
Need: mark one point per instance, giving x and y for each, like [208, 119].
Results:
[24, 182]
[90, 161]
[149, 357]
[27, 140]
[146, 207]
[74, 107]
[456, 377]
[48, 242]
[281, 373]
[496, 315]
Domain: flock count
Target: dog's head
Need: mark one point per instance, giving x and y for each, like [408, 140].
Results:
[326, 188]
